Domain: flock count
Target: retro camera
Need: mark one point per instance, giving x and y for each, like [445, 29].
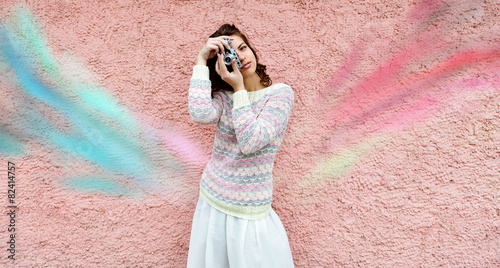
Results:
[229, 55]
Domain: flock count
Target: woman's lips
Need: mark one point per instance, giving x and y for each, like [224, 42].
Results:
[247, 65]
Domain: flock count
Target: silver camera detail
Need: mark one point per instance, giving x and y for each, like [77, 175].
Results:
[229, 55]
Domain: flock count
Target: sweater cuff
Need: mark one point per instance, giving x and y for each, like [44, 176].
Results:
[200, 72]
[240, 98]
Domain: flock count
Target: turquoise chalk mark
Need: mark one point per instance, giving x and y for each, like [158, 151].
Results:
[98, 185]
[9, 145]
[90, 125]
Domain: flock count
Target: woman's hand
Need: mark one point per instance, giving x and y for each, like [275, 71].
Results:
[234, 78]
[211, 48]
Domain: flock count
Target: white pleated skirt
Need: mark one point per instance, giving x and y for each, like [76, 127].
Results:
[219, 240]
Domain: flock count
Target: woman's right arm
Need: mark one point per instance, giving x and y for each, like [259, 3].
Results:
[204, 109]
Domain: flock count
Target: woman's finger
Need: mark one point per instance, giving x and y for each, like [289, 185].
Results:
[225, 43]
[217, 68]
[235, 67]
[222, 67]
[223, 40]
[219, 45]
[212, 47]
[221, 64]
[226, 37]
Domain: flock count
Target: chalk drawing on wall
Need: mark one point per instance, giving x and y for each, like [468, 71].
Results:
[419, 76]
[54, 103]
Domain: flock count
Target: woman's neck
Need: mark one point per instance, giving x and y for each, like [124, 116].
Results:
[253, 83]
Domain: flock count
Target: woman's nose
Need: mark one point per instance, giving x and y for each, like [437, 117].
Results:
[240, 56]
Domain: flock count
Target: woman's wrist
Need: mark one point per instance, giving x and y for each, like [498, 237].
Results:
[201, 61]
[239, 85]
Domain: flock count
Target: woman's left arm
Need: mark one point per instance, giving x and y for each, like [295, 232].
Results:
[254, 131]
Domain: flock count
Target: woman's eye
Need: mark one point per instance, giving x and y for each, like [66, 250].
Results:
[243, 48]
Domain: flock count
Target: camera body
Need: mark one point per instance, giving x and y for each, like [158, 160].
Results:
[229, 55]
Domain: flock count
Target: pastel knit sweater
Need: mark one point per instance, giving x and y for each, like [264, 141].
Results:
[238, 179]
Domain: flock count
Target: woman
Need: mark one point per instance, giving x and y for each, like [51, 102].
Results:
[234, 224]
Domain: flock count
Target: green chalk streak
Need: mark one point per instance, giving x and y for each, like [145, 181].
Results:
[91, 97]
[9, 145]
[339, 164]
[107, 106]
[25, 28]
[99, 185]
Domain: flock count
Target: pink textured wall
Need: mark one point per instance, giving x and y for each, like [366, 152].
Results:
[391, 157]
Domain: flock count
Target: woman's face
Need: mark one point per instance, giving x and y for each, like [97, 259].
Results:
[246, 56]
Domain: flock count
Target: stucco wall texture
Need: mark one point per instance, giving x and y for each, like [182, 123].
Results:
[391, 156]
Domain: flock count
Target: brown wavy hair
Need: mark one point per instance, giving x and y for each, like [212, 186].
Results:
[217, 82]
